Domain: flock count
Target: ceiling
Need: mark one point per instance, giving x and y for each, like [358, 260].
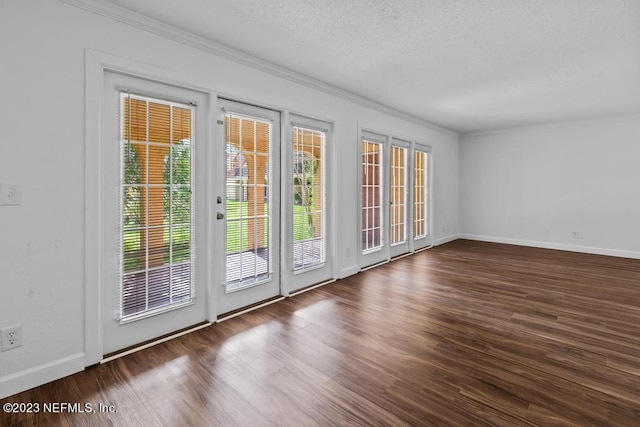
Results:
[466, 65]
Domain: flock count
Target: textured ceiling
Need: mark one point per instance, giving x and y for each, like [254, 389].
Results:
[467, 65]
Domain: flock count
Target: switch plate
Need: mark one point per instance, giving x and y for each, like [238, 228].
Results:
[10, 194]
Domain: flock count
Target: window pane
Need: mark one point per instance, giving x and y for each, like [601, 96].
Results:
[156, 211]
[420, 188]
[308, 197]
[398, 191]
[247, 200]
[371, 195]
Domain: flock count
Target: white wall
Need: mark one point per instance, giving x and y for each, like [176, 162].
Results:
[446, 191]
[581, 176]
[42, 82]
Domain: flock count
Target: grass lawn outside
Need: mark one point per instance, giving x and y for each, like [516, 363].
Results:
[237, 234]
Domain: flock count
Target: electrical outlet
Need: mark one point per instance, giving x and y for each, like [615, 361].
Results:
[10, 194]
[577, 235]
[348, 252]
[11, 337]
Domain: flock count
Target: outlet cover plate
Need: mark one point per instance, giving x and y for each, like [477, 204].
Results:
[10, 194]
[11, 337]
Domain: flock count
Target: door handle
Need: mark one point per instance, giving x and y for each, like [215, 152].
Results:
[220, 215]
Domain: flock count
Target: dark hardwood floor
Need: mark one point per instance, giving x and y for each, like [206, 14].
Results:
[467, 333]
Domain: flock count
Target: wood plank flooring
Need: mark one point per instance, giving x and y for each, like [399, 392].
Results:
[464, 334]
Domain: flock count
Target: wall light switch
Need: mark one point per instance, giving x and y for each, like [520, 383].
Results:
[10, 194]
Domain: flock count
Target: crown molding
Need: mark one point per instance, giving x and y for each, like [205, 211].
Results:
[552, 125]
[139, 21]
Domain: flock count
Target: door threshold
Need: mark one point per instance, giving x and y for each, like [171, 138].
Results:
[369, 267]
[311, 287]
[134, 348]
[243, 310]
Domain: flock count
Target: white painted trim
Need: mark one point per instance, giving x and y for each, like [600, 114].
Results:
[211, 233]
[332, 213]
[551, 245]
[41, 374]
[431, 188]
[348, 271]
[94, 84]
[285, 234]
[446, 239]
[136, 20]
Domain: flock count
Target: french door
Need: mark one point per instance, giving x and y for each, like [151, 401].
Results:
[306, 203]
[395, 198]
[399, 197]
[152, 180]
[192, 227]
[421, 212]
[247, 254]
[374, 211]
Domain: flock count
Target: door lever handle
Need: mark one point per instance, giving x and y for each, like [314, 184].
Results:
[220, 215]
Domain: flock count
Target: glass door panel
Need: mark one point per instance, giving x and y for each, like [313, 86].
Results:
[247, 148]
[421, 198]
[152, 177]
[308, 208]
[399, 197]
[372, 209]
[249, 213]
[306, 204]
[372, 201]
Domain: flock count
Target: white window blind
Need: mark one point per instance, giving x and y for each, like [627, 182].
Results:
[398, 194]
[248, 144]
[371, 195]
[309, 240]
[420, 194]
[156, 212]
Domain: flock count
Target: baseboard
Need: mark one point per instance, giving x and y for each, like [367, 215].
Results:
[39, 375]
[551, 245]
[349, 271]
[446, 239]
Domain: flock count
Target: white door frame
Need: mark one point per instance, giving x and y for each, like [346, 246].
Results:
[294, 281]
[228, 301]
[386, 252]
[402, 248]
[122, 332]
[381, 254]
[426, 241]
[96, 64]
